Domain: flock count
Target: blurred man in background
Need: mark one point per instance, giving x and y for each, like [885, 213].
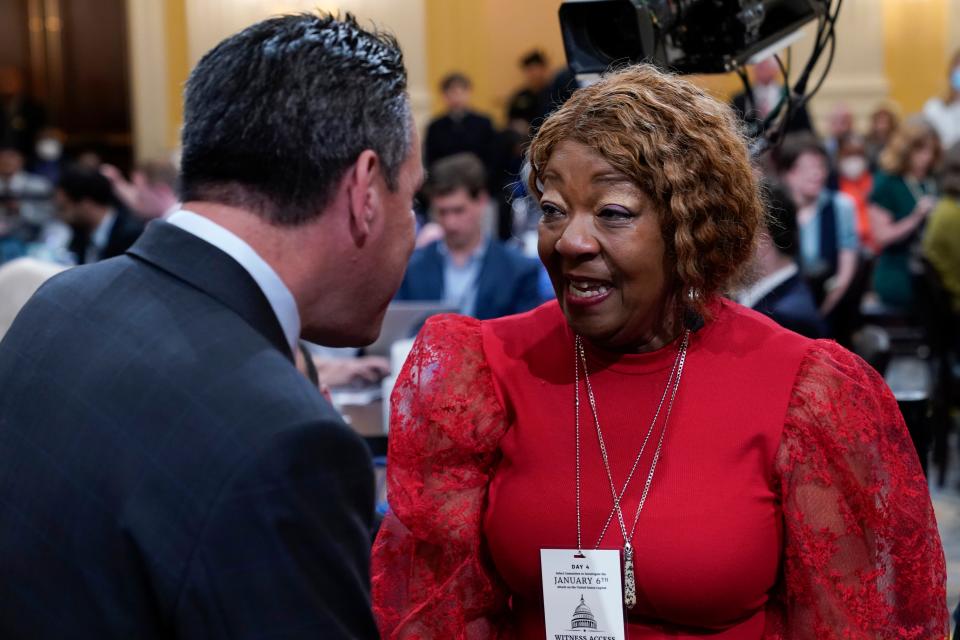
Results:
[467, 269]
[102, 228]
[460, 129]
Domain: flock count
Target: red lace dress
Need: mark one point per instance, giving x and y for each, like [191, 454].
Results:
[788, 502]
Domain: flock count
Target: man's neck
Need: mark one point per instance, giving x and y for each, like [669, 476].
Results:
[270, 242]
[772, 262]
[461, 255]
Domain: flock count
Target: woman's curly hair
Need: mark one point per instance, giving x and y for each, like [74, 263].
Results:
[685, 150]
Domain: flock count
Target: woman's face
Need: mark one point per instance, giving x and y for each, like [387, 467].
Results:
[601, 243]
[922, 157]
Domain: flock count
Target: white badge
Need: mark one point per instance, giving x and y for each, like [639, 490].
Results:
[582, 596]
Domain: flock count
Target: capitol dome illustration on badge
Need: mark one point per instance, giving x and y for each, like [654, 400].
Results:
[583, 617]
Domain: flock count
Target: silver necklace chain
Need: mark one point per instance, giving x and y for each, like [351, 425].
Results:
[673, 382]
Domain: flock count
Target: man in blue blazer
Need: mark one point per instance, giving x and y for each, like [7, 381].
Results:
[781, 292]
[165, 471]
[468, 269]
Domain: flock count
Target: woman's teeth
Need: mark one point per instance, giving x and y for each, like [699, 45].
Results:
[587, 289]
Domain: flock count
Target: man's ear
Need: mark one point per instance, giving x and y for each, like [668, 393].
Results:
[363, 197]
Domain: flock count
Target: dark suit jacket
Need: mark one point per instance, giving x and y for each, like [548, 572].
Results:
[165, 471]
[507, 284]
[791, 306]
[473, 133]
[124, 232]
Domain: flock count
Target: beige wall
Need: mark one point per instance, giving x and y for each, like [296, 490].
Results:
[209, 21]
[857, 77]
[485, 40]
[148, 78]
[886, 48]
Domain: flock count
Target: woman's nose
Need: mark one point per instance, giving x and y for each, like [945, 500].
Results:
[578, 238]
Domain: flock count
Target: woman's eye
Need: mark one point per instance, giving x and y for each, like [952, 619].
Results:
[550, 211]
[616, 213]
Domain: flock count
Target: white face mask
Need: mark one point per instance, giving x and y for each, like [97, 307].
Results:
[49, 149]
[853, 167]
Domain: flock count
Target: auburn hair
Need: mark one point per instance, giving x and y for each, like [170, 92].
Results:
[686, 151]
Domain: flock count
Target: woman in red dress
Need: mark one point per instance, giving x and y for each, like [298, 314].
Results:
[767, 484]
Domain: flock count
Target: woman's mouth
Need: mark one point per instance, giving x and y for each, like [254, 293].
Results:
[587, 292]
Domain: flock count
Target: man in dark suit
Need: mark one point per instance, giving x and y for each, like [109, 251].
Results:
[165, 471]
[781, 292]
[467, 269]
[460, 129]
[102, 227]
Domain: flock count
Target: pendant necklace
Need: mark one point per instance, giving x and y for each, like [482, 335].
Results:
[673, 383]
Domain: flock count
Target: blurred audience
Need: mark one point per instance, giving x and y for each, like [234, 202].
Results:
[102, 228]
[941, 241]
[459, 129]
[20, 117]
[855, 179]
[840, 123]
[22, 194]
[903, 195]
[472, 272]
[826, 220]
[883, 122]
[767, 91]
[944, 113]
[48, 154]
[151, 191]
[780, 291]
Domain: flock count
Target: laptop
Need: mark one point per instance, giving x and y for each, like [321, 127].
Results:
[403, 320]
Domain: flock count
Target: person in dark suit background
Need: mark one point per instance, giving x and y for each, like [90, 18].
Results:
[529, 104]
[780, 291]
[21, 119]
[460, 129]
[102, 227]
[766, 91]
[165, 470]
[472, 272]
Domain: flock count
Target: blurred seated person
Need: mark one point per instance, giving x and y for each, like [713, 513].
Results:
[780, 291]
[101, 228]
[766, 92]
[840, 123]
[48, 154]
[21, 193]
[21, 118]
[944, 113]
[904, 193]
[855, 180]
[941, 241]
[151, 192]
[883, 122]
[826, 220]
[530, 103]
[460, 129]
[472, 272]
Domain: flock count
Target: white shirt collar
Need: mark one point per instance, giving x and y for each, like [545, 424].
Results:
[101, 234]
[759, 290]
[276, 292]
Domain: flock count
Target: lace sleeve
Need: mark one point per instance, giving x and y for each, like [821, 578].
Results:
[863, 557]
[431, 577]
